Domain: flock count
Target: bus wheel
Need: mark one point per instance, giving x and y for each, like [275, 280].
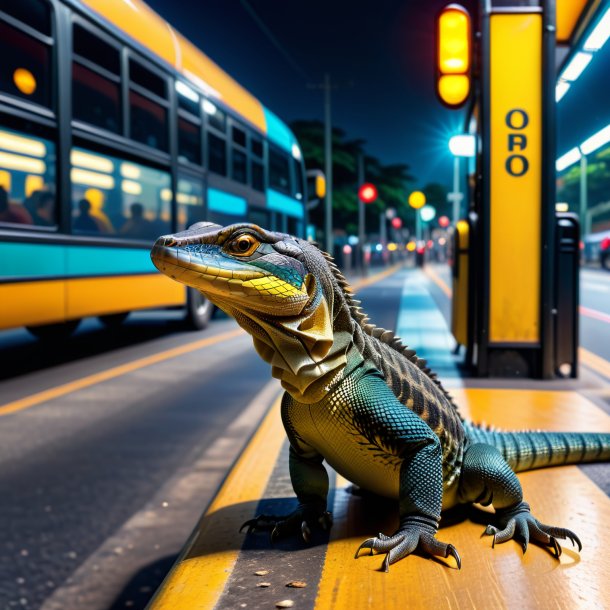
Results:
[113, 320]
[606, 261]
[48, 332]
[198, 310]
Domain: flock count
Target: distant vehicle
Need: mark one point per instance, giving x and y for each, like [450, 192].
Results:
[597, 248]
[114, 129]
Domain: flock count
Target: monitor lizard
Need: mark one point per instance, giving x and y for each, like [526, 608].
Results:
[358, 398]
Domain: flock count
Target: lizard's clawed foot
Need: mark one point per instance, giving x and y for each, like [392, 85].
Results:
[413, 534]
[301, 521]
[520, 523]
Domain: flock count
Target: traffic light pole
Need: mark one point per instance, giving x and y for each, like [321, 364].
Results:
[361, 217]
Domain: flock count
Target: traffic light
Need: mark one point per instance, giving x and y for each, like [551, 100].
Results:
[367, 193]
[453, 55]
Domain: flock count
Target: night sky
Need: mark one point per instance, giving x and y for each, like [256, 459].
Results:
[379, 53]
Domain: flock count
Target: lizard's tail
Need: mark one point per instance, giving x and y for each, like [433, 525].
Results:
[536, 449]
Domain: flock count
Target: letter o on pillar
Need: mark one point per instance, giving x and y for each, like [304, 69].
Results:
[517, 119]
[517, 165]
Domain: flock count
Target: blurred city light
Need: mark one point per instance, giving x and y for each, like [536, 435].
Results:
[571, 157]
[577, 65]
[462, 145]
[600, 34]
[367, 193]
[417, 200]
[428, 212]
[596, 141]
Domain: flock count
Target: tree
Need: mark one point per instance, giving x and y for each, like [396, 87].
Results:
[391, 180]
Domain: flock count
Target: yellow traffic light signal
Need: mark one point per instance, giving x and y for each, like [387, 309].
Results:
[453, 55]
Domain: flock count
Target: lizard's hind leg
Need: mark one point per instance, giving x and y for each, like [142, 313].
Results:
[487, 479]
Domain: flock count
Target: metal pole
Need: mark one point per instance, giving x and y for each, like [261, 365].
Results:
[361, 217]
[583, 195]
[417, 226]
[328, 152]
[456, 190]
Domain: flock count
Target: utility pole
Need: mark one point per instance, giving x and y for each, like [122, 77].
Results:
[361, 217]
[328, 167]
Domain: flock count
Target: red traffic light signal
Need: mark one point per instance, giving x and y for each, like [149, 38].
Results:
[367, 193]
[397, 222]
[443, 221]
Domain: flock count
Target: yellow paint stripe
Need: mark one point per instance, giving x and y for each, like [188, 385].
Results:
[438, 281]
[117, 371]
[198, 578]
[376, 278]
[595, 362]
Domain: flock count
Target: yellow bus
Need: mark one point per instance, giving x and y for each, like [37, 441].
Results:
[115, 129]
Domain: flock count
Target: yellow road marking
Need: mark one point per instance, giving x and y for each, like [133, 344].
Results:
[595, 362]
[376, 278]
[438, 281]
[117, 371]
[198, 578]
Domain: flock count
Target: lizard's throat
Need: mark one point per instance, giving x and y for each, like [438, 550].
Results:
[304, 352]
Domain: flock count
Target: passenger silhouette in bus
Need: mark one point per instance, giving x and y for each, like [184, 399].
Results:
[138, 226]
[11, 212]
[44, 214]
[84, 222]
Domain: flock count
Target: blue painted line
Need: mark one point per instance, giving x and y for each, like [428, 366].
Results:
[278, 202]
[219, 201]
[423, 328]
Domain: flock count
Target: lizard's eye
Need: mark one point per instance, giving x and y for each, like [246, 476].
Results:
[244, 245]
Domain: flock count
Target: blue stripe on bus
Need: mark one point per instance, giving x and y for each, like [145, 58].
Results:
[278, 132]
[219, 201]
[279, 202]
[91, 260]
[31, 260]
[41, 260]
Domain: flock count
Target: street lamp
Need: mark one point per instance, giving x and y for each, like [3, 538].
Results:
[463, 145]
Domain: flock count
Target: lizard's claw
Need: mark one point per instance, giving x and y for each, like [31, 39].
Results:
[300, 522]
[410, 536]
[519, 522]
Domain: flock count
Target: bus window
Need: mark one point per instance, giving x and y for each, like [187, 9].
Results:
[96, 81]
[217, 119]
[257, 171]
[298, 180]
[111, 196]
[25, 68]
[189, 201]
[239, 156]
[148, 113]
[27, 180]
[294, 226]
[217, 154]
[261, 218]
[279, 170]
[189, 140]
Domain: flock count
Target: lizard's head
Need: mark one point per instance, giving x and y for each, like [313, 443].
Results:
[240, 267]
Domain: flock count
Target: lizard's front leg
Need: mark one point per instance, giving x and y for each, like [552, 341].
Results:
[310, 483]
[420, 499]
